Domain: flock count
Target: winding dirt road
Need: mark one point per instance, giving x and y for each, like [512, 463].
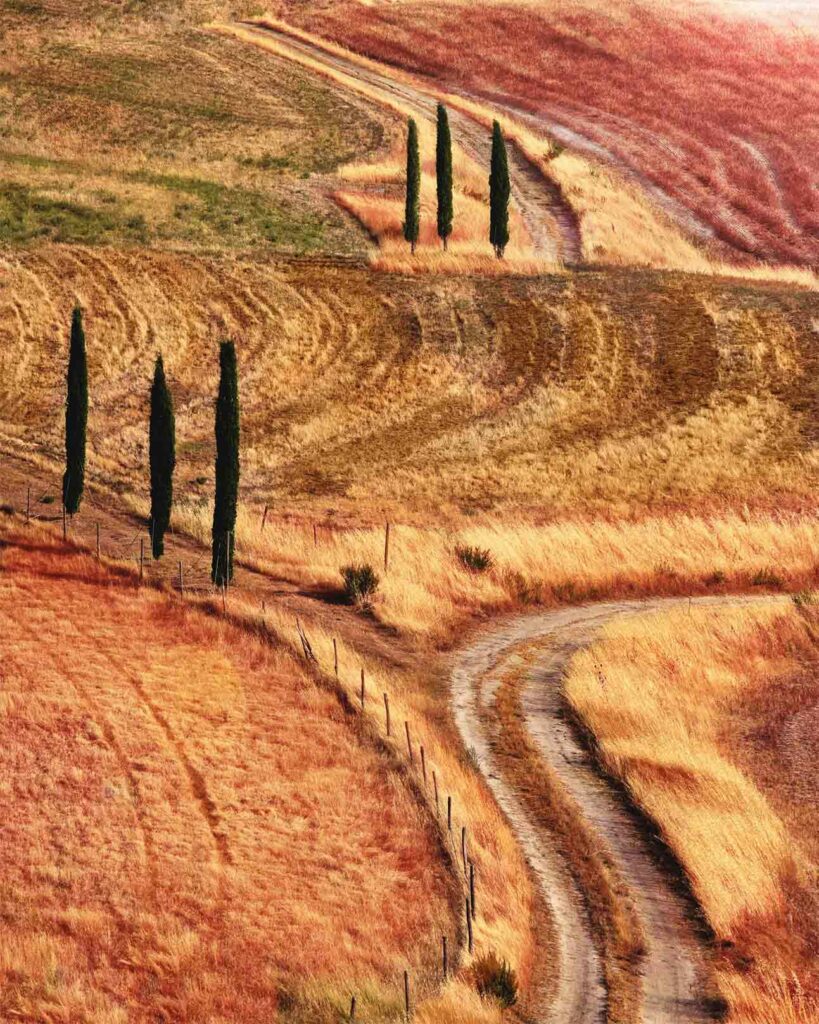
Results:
[674, 969]
[549, 219]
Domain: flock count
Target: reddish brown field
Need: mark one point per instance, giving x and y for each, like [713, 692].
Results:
[716, 114]
[174, 846]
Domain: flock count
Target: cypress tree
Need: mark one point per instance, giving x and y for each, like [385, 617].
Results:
[162, 457]
[443, 175]
[227, 466]
[499, 190]
[76, 416]
[412, 215]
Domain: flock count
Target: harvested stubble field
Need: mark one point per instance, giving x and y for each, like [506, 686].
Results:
[713, 115]
[727, 776]
[173, 842]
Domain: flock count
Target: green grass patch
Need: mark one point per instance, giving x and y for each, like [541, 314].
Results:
[27, 215]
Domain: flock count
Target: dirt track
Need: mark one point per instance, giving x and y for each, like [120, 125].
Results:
[551, 222]
[674, 970]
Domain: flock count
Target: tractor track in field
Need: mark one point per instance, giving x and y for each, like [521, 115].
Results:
[674, 973]
[549, 218]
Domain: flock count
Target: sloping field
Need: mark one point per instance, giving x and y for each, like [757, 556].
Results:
[136, 127]
[713, 117]
[173, 843]
[725, 776]
[362, 390]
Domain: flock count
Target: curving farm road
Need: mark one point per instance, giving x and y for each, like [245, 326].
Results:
[674, 970]
[549, 219]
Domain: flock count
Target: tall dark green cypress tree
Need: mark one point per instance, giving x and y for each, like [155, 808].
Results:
[443, 174]
[162, 457]
[227, 466]
[76, 416]
[499, 190]
[412, 213]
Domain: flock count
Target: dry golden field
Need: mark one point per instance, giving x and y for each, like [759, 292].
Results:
[708, 715]
[173, 843]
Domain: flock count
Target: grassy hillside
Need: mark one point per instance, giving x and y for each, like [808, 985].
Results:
[139, 128]
[173, 843]
[361, 391]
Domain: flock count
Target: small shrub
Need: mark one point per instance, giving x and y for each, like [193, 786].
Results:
[360, 583]
[474, 559]
[766, 578]
[716, 579]
[804, 598]
[495, 979]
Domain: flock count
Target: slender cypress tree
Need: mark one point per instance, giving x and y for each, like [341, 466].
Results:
[227, 466]
[76, 416]
[162, 456]
[412, 216]
[499, 190]
[443, 175]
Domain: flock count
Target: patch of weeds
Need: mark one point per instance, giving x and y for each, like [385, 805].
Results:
[804, 598]
[766, 578]
[267, 162]
[47, 499]
[495, 979]
[523, 590]
[474, 559]
[360, 584]
[715, 579]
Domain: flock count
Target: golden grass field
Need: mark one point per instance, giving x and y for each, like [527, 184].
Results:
[708, 716]
[172, 844]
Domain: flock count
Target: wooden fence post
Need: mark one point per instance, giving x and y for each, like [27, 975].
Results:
[409, 742]
[315, 536]
[449, 813]
[463, 846]
[468, 925]
[444, 957]
[181, 580]
[387, 710]
[352, 1009]
[264, 518]
[28, 504]
[141, 558]
[362, 689]
[335, 657]
[435, 787]
[98, 540]
[472, 887]
[406, 995]
[423, 766]
[386, 547]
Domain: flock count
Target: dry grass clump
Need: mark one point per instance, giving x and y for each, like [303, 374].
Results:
[693, 710]
[705, 131]
[174, 844]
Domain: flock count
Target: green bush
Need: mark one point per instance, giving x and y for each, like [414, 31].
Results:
[360, 583]
[474, 559]
[495, 979]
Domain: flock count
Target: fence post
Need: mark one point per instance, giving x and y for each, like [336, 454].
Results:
[28, 504]
[435, 787]
[424, 767]
[264, 518]
[387, 547]
[387, 710]
[472, 887]
[463, 846]
[315, 535]
[406, 995]
[141, 558]
[352, 1009]
[444, 957]
[362, 689]
[98, 540]
[468, 925]
[335, 657]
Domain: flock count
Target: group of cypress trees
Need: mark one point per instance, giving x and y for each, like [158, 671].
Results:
[161, 449]
[499, 186]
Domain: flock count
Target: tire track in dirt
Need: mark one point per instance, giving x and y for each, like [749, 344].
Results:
[675, 975]
[540, 200]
